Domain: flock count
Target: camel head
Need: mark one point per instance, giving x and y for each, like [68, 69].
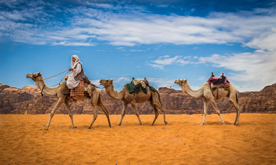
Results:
[34, 76]
[180, 82]
[106, 82]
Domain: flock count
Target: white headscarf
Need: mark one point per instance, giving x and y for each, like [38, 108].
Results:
[73, 64]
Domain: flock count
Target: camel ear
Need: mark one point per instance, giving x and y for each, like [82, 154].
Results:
[39, 74]
[111, 81]
[185, 80]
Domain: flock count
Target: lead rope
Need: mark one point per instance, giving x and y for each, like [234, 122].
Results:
[56, 74]
[60, 80]
[55, 84]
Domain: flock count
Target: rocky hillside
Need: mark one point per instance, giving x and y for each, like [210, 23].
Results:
[29, 101]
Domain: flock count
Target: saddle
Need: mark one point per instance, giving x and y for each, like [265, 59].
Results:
[221, 82]
[136, 85]
[144, 82]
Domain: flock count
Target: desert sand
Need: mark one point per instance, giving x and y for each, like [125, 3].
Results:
[183, 141]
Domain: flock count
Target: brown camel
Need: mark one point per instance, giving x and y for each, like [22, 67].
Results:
[207, 94]
[59, 92]
[141, 97]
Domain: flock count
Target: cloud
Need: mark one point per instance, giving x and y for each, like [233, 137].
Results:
[96, 82]
[73, 44]
[129, 25]
[122, 80]
[266, 41]
[167, 60]
[161, 82]
[101, 5]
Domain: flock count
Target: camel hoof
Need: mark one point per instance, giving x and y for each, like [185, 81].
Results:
[166, 123]
[46, 128]
[201, 124]
[74, 127]
[119, 124]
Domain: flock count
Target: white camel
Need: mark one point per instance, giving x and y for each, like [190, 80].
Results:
[207, 94]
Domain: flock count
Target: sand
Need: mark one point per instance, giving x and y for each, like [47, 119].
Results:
[183, 141]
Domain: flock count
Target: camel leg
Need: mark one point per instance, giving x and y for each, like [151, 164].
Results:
[70, 114]
[136, 112]
[217, 110]
[156, 112]
[237, 107]
[123, 113]
[53, 112]
[159, 106]
[100, 104]
[205, 111]
[94, 107]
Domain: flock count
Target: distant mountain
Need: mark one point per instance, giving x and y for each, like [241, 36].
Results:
[29, 101]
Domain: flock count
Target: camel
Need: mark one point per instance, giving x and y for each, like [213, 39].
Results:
[59, 92]
[207, 94]
[141, 97]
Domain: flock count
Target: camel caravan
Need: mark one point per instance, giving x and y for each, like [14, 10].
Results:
[77, 87]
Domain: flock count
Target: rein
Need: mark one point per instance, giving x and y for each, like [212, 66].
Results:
[52, 77]
[56, 74]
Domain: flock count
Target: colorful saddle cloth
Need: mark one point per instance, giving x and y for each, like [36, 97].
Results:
[83, 89]
[215, 82]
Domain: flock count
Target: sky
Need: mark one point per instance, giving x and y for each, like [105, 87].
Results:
[161, 40]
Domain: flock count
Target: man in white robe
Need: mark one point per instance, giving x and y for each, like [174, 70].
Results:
[71, 81]
[76, 75]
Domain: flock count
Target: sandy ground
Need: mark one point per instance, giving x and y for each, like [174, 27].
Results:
[183, 141]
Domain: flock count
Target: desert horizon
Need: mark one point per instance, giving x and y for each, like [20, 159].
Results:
[182, 141]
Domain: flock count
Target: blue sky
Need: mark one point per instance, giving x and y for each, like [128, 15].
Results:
[162, 40]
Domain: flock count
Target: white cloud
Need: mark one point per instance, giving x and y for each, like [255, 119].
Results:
[157, 66]
[266, 41]
[167, 60]
[130, 25]
[122, 80]
[101, 5]
[73, 44]
[96, 82]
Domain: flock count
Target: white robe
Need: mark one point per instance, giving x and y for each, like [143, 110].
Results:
[71, 82]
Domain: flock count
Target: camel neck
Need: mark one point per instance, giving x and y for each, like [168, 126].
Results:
[113, 94]
[47, 90]
[193, 93]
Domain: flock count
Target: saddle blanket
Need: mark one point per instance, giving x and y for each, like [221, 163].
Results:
[78, 91]
[218, 81]
[136, 88]
[82, 90]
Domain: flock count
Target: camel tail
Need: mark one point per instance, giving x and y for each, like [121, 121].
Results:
[159, 99]
[237, 99]
[99, 100]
